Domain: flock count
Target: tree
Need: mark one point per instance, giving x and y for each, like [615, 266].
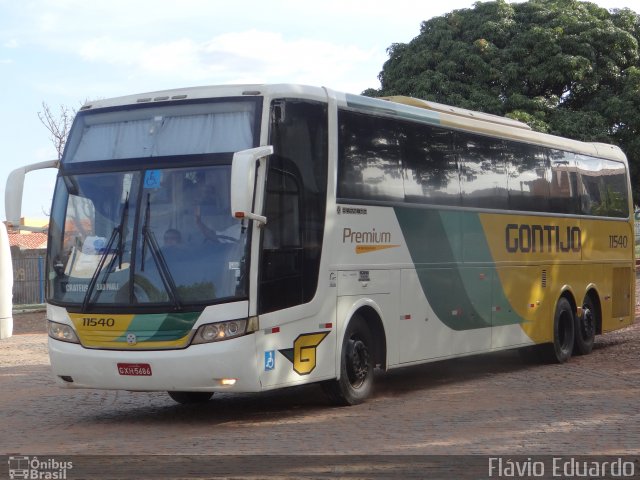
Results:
[564, 67]
[58, 126]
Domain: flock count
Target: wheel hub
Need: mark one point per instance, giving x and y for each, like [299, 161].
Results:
[587, 325]
[358, 364]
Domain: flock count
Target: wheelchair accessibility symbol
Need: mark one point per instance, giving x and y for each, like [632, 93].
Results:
[152, 179]
[269, 360]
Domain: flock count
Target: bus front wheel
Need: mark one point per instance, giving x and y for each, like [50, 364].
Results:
[563, 333]
[187, 398]
[356, 366]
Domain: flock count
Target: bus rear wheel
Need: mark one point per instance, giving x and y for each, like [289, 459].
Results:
[585, 329]
[356, 366]
[563, 334]
[189, 398]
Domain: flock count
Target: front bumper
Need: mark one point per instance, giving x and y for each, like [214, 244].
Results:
[196, 368]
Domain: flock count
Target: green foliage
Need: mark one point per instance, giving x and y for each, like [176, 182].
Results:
[564, 67]
[612, 204]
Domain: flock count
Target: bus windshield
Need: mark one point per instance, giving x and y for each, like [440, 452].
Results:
[141, 212]
[146, 237]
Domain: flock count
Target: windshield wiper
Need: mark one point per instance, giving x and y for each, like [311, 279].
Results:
[117, 233]
[123, 231]
[148, 237]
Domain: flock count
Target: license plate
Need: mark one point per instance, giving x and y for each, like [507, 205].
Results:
[135, 369]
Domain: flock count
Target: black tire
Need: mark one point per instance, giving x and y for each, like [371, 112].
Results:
[585, 329]
[356, 366]
[563, 334]
[189, 398]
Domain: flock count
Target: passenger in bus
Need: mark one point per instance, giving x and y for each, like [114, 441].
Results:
[172, 238]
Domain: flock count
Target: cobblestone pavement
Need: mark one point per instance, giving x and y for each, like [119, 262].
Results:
[490, 404]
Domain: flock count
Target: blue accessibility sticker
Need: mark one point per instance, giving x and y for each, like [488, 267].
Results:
[152, 178]
[269, 360]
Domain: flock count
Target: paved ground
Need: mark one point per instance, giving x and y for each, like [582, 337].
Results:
[492, 404]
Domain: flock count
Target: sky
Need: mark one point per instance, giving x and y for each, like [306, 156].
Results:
[64, 52]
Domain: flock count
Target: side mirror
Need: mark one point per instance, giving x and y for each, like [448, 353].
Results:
[14, 188]
[243, 185]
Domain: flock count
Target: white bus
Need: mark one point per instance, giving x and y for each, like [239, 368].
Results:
[248, 238]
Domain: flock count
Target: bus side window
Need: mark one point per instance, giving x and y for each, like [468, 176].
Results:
[564, 195]
[527, 177]
[603, 187]
[369, 166]
[484, 171]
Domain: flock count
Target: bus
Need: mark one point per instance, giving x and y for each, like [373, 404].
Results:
[253, 237]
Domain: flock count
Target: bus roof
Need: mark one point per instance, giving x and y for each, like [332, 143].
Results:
[463, 112]
[399, 106]
[205, 92]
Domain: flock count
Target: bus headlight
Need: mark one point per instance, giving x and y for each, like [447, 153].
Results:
[216, 332]
[62, 332]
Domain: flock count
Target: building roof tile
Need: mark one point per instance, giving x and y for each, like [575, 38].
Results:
[28, 241]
